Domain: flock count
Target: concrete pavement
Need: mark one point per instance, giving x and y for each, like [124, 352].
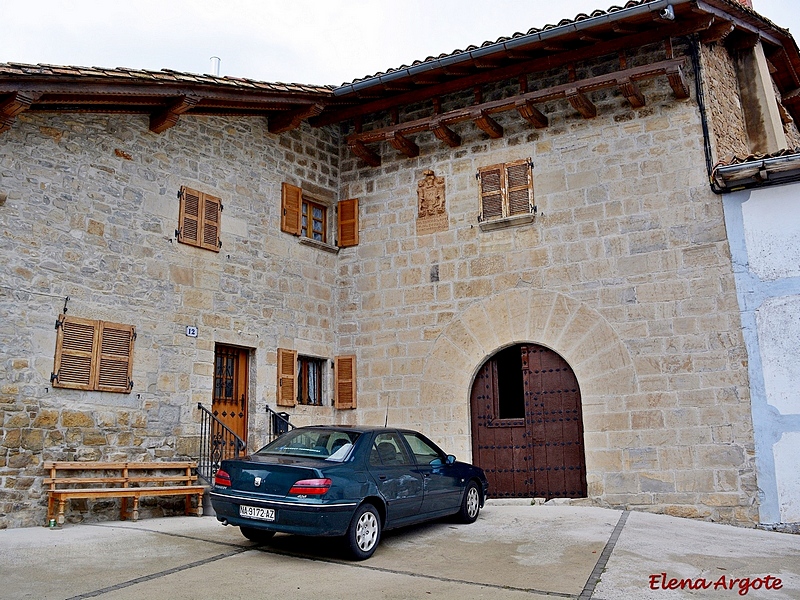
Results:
[513, 551]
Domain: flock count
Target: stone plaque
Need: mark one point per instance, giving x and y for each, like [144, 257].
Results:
[431, 209]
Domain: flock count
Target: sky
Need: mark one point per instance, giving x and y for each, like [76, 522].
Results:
[293, 41]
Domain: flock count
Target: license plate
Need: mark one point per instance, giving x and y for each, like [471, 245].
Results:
[256, 512]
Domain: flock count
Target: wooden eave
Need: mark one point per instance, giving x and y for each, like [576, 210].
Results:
[570, 42]
[164, 102]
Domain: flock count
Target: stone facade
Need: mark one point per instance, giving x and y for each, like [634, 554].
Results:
[625, 272]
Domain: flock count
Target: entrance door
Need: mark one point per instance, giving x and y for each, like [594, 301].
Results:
[527, 425]
[229, 401]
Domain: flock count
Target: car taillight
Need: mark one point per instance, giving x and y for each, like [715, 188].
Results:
[222, 478]
[310, 487]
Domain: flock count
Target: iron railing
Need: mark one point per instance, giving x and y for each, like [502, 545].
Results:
[278, 423]
[217, 442]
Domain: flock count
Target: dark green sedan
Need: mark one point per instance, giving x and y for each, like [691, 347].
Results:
[345, 481]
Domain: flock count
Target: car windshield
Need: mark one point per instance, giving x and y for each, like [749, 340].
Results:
[329, 444]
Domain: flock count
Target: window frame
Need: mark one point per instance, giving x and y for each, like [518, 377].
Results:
[304, 366]
[499, 187]
[199, 225]
[306, 216]
[93, 355]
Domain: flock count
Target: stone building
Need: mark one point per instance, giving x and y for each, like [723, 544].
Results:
[514, 248]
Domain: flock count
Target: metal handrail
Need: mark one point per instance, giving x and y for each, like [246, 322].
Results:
[217, 443]
[278, 423]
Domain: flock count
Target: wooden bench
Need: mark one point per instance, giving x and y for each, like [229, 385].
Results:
[96, 480]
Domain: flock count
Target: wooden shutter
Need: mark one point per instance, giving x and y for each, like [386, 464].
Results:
[287, 377]
[291, 208]
[114, 357]
[519, 187]
[347, 223]
[76, 341]
[345, 382]
[189, 222]
[491, 192]
[211, 211]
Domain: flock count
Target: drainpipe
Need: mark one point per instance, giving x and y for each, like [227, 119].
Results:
[701, 104]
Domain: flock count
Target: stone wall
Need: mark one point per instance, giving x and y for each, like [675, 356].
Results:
[91, 215]
[723, 103]
[625, 272]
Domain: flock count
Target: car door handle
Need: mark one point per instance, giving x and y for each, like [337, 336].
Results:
[382, 477]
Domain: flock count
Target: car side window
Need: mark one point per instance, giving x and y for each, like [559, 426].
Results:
[388, 450]
[423, 451]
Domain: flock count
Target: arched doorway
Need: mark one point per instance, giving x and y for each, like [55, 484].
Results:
[527, 424]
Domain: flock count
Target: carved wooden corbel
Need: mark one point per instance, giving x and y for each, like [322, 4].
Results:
[717, 32]
[486, 123]
[531, 114]
[403, 144]
[163, 120]
[581, 103]
[677, 81]
[445, 134]
[370, 157]
[18, 102]
[632, 92]
[291, 119]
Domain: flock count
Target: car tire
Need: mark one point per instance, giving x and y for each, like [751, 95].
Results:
[470, 504]
[364, 532]
[260, 536]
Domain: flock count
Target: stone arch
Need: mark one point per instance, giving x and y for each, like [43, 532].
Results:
[578, 333]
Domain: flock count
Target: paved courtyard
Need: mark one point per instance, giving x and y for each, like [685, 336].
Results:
[513, 551]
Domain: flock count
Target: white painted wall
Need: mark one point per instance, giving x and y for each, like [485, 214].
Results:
[772, 232]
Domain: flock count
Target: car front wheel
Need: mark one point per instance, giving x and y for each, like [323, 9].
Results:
[260, 536]
[364, 532]
[470, 504]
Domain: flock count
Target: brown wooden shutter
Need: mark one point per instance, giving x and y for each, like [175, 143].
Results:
[76, 341]
[114, 359]
[519, 187]
[211, 211]
[287, 377]
[345, 382]
[491, 192]
[347, 223]
[189, 222]
[291, 208]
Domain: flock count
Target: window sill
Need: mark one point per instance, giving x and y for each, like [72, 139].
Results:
[320, 245]
[507, 222]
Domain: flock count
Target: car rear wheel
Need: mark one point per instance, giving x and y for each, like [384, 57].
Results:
[260, 536]
[364, 532]
[470, 504]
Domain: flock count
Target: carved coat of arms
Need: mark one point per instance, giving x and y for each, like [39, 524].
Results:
[431, 209]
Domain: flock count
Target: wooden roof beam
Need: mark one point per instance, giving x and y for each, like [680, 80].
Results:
[163, 120]
[10, 107]
[288, 120]
[717, 32]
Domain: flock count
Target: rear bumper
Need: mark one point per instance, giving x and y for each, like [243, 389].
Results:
[300, 518]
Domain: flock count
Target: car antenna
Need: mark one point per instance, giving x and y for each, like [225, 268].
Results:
[386, 420]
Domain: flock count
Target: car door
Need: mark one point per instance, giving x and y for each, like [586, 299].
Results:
[442, 482]
[394, 472]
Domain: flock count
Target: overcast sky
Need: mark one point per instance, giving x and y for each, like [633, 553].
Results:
[298, 41]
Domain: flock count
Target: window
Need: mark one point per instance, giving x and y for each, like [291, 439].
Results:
[309, 380]
[93, 355]
[388, 450]
[301, 380]
[424, 453]
[314, 221]
[308, 218]
[199, 219]
[506, 190]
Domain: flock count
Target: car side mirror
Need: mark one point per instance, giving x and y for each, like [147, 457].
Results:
[451, 459]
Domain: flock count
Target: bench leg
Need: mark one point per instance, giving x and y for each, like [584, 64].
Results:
[62, 504]
[199, 511]
[135, 508]
[51, 513]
